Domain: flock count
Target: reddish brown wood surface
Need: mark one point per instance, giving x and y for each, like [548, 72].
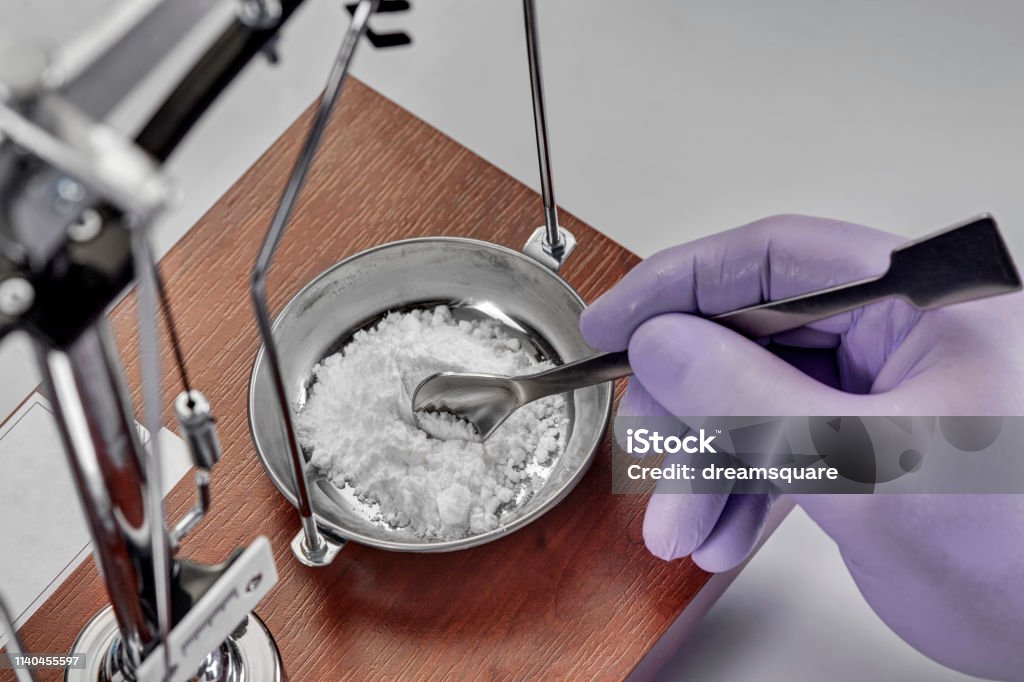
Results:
[574, 595]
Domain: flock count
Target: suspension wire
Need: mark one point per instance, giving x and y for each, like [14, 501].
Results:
[172, 329]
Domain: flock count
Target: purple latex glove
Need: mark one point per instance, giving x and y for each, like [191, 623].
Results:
[945, 572]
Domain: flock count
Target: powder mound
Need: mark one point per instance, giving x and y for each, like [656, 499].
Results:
[358, 425]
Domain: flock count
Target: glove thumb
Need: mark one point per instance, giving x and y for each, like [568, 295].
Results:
[695, 367]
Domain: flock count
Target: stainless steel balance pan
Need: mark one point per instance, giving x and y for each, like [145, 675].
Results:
[478, 280]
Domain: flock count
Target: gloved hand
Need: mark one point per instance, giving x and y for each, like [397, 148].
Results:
[945, 572]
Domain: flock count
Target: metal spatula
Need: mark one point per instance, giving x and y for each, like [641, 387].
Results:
[962, 263]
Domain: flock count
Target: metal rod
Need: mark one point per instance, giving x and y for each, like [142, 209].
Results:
[198, 511]
[149, 362]
[214, 71]
[85, 385]
[540, 123]
[314, 541]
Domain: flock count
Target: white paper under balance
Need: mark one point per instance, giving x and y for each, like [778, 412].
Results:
[43, 534]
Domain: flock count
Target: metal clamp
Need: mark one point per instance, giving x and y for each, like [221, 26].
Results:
[200, 433]
[98, 159]
[260, 14]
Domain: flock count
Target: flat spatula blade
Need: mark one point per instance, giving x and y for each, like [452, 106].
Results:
[961, 263]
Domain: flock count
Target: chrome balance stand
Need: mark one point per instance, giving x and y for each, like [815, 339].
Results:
[76, 201]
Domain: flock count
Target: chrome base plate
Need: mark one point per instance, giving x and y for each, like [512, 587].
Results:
[248, 655]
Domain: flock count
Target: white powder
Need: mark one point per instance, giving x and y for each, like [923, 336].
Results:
[358, 425]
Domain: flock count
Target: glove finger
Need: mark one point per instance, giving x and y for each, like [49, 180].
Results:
[734, 536]
[766, 260]
[676, 524]
[694, 367]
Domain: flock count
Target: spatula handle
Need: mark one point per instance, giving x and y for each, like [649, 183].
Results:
[775, 317]
[756, 321]
[596, 369]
